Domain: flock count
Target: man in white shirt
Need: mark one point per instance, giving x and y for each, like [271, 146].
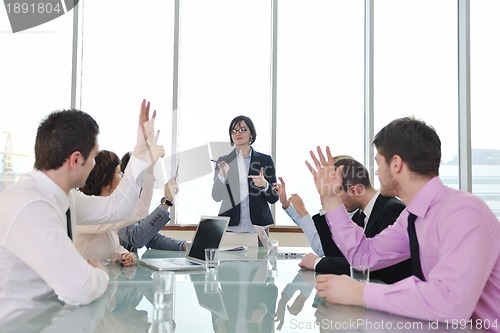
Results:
[37, 257]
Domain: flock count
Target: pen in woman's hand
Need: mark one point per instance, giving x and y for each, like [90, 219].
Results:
[215, 161]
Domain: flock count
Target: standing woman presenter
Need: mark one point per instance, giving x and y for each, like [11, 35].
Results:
[244, 180]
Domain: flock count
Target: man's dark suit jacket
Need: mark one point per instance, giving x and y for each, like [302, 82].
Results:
[384, 213]
[229, 192]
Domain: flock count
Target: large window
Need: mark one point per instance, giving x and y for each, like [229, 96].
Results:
[125, 57]
[35, 67]
[485, 82]
[416, 69]
[320, 89]
[220, 63]
[224, 72]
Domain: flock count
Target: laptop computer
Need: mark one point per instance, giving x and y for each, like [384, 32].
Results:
[208, 234]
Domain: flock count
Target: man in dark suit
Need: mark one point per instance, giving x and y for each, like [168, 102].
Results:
[375, 212]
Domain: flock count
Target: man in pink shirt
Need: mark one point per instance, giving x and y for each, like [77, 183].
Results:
[457, 253]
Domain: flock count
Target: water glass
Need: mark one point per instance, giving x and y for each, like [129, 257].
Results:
[163, 285]
[272, 248]
[360, 273]
[211, 282]
[211, 259]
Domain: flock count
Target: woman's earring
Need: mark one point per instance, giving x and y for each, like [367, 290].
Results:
[251, 139]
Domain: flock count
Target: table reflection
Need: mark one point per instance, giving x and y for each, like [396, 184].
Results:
[303, 282]
[244, 299]
[248, 293]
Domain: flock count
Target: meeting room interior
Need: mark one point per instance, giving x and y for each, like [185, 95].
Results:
[307, 73]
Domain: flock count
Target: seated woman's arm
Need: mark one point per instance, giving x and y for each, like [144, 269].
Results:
[140, 233]
[162, 242]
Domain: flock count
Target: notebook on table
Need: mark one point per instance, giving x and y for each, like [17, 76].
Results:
[208, 234]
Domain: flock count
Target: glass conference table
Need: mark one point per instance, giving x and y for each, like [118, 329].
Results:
[251, 294]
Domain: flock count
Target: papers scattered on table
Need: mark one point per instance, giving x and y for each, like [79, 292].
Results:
[233, 248]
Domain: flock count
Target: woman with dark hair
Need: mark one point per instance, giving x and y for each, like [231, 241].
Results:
[244, 180]
[102, 241]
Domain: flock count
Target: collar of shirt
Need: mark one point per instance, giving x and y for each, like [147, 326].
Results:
[424, 198]
[51, 189]
[369, 207]
[244, 157]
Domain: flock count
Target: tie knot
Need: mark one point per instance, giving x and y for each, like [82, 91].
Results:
[360, 218]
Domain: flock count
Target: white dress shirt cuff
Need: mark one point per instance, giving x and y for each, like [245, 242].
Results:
[222, 178]
[316, 262]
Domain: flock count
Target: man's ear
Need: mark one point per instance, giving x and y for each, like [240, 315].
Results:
[396, 164]
[358, 189]
[75, 159]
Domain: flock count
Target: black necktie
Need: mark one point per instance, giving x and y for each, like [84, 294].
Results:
[360, 219]
[414, 250]
[68, 224]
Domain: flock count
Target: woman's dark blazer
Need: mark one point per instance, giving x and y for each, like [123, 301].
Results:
[229, 192]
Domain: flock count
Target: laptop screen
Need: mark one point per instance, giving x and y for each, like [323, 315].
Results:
[208, 235]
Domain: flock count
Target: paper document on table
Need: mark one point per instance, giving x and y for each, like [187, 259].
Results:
[233, 248]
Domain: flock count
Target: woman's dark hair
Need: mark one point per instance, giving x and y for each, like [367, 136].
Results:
[61, 134]
[235, 123]
[124, 161]
[414, 141]
[103, 172]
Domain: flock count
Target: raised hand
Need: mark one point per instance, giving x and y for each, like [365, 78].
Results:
[281, 190]
[171, 188]
[147, 148]
[327, 178]
[298, 204]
